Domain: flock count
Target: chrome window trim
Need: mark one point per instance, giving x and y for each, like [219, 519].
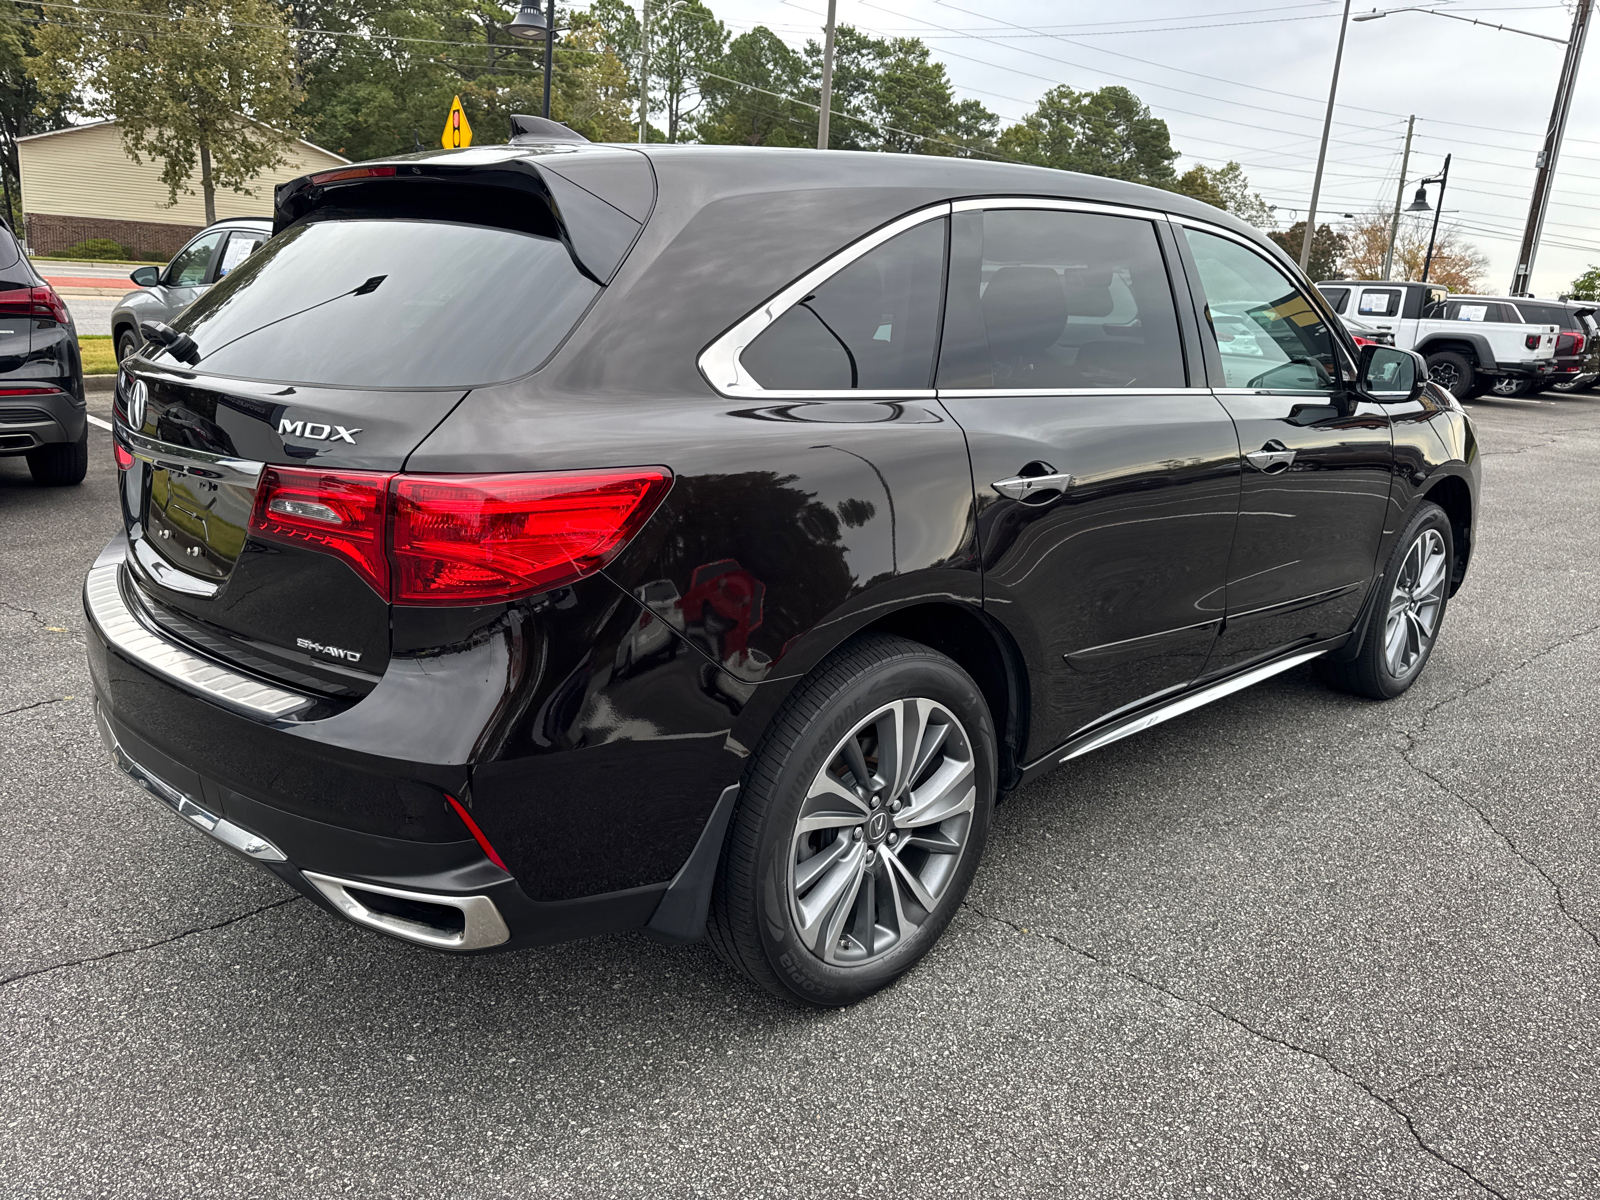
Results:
[114, 618]
[719, 362]
[979, 393]
[1045, 202]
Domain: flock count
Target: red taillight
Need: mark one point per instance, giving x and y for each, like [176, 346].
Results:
[40, 302]
[1568, 343]
[477, 834]
[352, 173]
[340, 512]
[476, 539]
[124, 459]
[29, 391]
[1361, 341]
[1532, 341]
[1578, 343]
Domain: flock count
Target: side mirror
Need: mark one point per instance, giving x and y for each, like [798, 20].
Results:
[146, 276]
[1390, 374]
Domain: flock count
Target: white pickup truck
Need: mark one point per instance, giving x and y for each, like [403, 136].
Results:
[1470, 342]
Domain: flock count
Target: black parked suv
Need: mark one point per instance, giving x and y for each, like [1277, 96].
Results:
[42, 410]
[543, 540]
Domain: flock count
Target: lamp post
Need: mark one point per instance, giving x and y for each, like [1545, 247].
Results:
[827, 78]
[531, 25]
[1322, 152]
[1420, 204]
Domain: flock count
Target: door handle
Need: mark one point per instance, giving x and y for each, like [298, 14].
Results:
[1027, 487]
[1273, 459]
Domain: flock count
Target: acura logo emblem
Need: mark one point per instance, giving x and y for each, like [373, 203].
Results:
[877, 826]
[138, 396]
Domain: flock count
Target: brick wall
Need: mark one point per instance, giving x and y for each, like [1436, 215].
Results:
[47, 234]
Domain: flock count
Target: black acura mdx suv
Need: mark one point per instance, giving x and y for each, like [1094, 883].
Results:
[542, 540]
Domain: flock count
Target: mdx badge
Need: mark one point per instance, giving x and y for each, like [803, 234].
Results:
[316, 431]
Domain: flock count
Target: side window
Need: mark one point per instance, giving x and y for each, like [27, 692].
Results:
[1337, 297]
[1041, 298]
[188, 269]
[1377, 302]
[239, 247]
[875, 324]
[1467, 312]
[1269, 334]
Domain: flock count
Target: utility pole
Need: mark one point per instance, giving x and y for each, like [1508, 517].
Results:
[1546, 162]
[1322, 154]
[644, 70]
[1399, 198]
[549, 57]
[827, 80]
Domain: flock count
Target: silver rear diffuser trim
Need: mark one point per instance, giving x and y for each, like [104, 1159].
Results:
[1186, 703]
[225, 831]
[482, 925]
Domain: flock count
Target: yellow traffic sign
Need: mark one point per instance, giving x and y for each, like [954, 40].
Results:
[457, 132]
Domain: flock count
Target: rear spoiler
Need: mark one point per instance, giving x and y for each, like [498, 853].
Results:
[596, 201]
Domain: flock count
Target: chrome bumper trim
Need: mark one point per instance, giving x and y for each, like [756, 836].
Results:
[482, 924]
[112, 615]
[225, 831]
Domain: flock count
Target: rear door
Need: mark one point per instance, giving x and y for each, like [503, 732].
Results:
[1107, 480]
[240, 245]
[1379, 307]
[1318, 455]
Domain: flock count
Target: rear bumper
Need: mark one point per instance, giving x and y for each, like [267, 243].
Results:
[370, 839]
[27, 422]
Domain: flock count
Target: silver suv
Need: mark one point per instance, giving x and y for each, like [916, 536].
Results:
[164, 292]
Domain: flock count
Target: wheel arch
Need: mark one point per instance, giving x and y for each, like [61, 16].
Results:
[1452, 494]
[1474, 345]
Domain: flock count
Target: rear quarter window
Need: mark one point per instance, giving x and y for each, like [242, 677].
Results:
[390, 303]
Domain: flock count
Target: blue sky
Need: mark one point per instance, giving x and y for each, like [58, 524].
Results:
[1246, 80]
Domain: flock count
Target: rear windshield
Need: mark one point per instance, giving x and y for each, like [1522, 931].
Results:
[1547, 314]
[390, 303]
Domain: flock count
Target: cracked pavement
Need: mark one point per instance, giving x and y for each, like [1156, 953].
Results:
[1294, 944]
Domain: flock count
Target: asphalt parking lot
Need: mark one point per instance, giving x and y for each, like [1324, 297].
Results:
[1294, 944]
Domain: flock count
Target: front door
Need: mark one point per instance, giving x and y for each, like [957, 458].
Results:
[1318, 455]
[187, 274]
[1107, 487]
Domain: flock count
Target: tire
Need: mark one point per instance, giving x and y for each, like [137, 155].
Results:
[801, 934]
[127, 343]
[1404, 628]
[62, 464]
[1452, 371]
[1509, 387]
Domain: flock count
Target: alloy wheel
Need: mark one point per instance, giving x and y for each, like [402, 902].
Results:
[1445, 375]
[1415, 604]
[881, 832]
[1506, 385]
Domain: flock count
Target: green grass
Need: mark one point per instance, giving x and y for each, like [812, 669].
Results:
[99, 355]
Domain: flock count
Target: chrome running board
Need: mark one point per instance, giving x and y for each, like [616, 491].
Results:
[482, 926]
[1187, 702]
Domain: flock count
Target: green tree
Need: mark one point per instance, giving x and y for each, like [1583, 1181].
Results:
[24, 109]
[1327, 249]
[745, 94]
[205, 81]
[1109, 132]
[1587, 285]
[1226, 188]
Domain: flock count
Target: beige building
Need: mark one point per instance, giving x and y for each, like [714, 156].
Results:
[79, 183]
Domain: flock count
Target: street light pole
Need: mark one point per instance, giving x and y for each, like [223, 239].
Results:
[827, 80]
[549, 58]
[1399, 199]
[1443, 180]
[1322, 153]
[1545, 179]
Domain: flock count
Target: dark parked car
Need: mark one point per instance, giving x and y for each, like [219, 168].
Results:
[1577, 346]
[42, 411]
[537, 541]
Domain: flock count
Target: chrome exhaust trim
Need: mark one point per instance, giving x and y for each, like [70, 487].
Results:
[482, 925]
[235, 837]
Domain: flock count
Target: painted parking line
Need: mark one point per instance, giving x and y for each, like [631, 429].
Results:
[94, 420]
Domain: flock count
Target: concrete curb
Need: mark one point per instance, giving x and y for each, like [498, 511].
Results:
[93, 384]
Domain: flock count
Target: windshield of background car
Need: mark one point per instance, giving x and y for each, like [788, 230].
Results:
[390, 303]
